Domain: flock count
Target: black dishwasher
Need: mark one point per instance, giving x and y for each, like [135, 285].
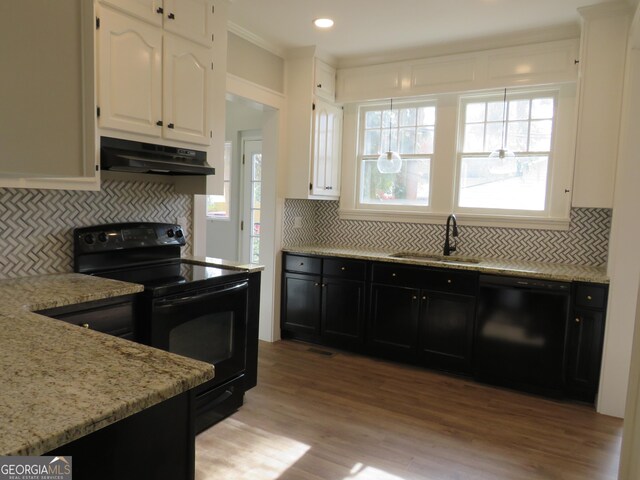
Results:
[520, 333]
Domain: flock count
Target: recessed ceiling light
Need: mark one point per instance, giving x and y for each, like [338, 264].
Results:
[323, 22]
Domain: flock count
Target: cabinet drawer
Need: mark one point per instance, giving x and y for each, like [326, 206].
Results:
[450, 281]
[440, 280]
[116, 319]
[593, 296]
[394, 274]
[344, 268]
[298, 263]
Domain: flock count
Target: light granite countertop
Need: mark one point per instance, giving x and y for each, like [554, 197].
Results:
[219, 262]
[60, 381]
[519, 268]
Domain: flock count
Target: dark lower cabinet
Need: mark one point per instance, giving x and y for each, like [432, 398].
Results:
[584, 342]
[343, 307]
[446, 331]
[324, 301]
[427, 316]
[301, 305]
[155, 444]
[393, 322]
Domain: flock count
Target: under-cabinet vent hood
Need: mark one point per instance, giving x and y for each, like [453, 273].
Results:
[139, 157]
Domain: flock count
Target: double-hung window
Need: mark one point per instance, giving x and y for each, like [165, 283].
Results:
[408, 129]
[519, 180]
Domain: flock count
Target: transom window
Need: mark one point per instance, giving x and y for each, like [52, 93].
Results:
[505, 182]
[409, 130]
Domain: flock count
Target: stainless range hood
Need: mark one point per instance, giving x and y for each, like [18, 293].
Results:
[138, 157]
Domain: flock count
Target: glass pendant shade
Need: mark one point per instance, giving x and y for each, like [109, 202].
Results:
[503, 152]
[389, 162]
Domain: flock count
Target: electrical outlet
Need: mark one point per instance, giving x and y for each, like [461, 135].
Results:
[297, 222]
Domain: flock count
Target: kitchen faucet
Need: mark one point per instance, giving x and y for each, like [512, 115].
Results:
[447, 247]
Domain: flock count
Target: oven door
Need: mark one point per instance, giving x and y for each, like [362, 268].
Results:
[207, 324]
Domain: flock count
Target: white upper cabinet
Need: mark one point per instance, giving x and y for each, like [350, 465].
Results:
[152, 82]
[130, 74]
[314, 127]
[47, 112]
[602, 62]
[147, 10]
[327, 142]
[324, 80]
[187, 70]
[189, 18]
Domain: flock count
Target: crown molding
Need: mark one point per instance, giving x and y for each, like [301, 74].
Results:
[255, 39]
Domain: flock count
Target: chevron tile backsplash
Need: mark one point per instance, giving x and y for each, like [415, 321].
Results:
[585, 243]
[36, 225]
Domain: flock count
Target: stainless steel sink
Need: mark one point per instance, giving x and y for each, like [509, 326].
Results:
[434, 257]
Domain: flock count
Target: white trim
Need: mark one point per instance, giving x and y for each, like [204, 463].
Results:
[463, 219]
[254, 91]
[257, 40]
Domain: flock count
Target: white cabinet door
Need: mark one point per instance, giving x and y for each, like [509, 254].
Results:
[326, 151]
[189, 18]
[325, 80]
[186, 77]
[147, 10]
[130, 74]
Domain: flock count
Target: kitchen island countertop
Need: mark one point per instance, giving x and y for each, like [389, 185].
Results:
[61, 382]
[221, 263]
[520, 268]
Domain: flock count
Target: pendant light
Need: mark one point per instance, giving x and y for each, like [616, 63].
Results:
[389, 162]
[503, 152]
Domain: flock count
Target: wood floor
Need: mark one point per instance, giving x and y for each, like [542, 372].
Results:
[343, 416]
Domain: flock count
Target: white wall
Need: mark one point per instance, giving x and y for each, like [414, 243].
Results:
[624, 246]
[255, 64]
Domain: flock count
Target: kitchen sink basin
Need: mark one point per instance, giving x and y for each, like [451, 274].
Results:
[434, 257]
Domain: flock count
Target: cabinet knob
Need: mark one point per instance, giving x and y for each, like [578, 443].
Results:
[589, 297]
[393, 274]
[316, 284]
[578, 320]
[159, 10]
[424, 297]
[171, 16]
[415, 298]
[343, 268]
[159, 123]
[449, 280]
[171, 125]
[84, 325]
[323, 285]
[319, 85]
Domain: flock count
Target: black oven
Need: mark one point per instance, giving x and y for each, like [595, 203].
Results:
[201, 312]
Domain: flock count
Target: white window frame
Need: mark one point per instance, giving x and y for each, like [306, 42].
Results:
[445, 166]
[397, 106]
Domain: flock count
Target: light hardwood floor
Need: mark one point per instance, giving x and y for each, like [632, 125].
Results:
[345, 416]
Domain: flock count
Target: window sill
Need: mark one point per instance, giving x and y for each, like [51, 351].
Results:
[499, 221]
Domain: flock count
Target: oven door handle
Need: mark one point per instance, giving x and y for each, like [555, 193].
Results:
[196, 297]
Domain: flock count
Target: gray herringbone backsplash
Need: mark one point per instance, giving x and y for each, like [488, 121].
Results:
[36, 225]
[585, 243]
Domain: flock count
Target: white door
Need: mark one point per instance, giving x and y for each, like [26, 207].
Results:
[186, 76]
[252, 185]
[148, 10]
[327, 145]
[190, 18]
[129, 74]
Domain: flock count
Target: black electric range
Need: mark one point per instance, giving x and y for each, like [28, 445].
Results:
[202, 312]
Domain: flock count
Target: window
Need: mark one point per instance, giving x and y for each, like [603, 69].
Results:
[445, 141]
[511, 183]
[218, 205]
[254, 206]
[408, 130]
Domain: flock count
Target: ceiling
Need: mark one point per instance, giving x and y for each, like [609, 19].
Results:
[366, 28]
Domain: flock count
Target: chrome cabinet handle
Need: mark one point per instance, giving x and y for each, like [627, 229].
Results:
[343, 268]
[578, 320]
[84, 325]
[589, 297]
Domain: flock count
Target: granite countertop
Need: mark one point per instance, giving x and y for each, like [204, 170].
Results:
[60, 381]
[219, 262]
[520, 268]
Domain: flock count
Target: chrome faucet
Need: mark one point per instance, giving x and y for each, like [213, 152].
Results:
[447, 247]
